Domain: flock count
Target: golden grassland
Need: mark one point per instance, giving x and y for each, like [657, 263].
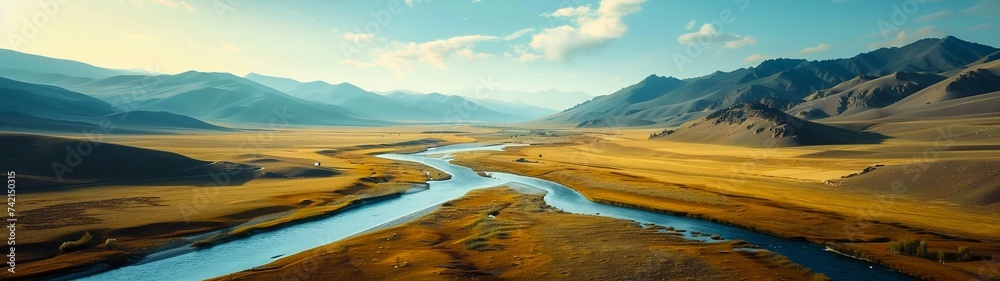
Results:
[792, 192]
[152, 216]
[788, 192]
[526, 240]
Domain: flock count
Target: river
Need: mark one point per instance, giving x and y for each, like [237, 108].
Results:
[262, 248]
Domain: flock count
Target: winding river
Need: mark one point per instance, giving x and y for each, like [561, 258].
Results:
[263, 248]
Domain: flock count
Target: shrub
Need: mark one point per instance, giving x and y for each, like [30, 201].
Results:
[909, 247]
[964, 254]
[79, 244]
[110, 243]
[922, 249]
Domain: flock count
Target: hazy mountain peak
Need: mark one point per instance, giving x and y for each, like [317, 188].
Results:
[778, 63]
[194, 74]
[40, 64]
[652, 78]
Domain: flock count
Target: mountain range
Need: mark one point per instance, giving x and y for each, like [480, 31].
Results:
[60, 95]
[402, 106]
[807, 89]
[935, 77]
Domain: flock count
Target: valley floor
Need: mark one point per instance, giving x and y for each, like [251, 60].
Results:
[798, 192]
[943, 191]
[526, 240]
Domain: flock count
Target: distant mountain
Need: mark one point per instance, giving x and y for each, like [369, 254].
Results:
[219, 97]
[526, 111]
[327, 93]
[450, 109]
[50, 101]
[277, 83]
[977, 79]
[612, 110]
[970, 92]
[391, 106]
[757, 125]
[552, 99]
[38, 108]
[317, 91]
[18, 61]
[778, 83]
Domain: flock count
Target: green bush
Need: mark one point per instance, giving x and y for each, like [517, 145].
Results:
[964, 254]
[111, 243]
[79, 244]
[909, 247]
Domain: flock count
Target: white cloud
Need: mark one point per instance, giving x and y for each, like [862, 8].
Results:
[400, 57]
[571, 12]
[334, 30]
[754, 58]
[903, 37]
[741, 42]
[935, 16]
[984, 8]
[819, 48]
[589, 29]
[518, 34]
[357, 38]
[230, 47]
[690, 25]
[981, 27]
[186, 6]
[521, 53]
[707, 35]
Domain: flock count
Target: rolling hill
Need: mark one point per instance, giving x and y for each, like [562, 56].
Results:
[758, 125]
[862, 93]
[46, 162]
[50, 101]
[971, 92]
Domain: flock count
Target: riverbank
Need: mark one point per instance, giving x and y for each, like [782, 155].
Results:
[524, 240]
[764, 190]
[149, 219]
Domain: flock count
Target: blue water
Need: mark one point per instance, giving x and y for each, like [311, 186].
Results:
[259, 249]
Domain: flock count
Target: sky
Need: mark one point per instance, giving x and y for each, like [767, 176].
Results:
[452, 46]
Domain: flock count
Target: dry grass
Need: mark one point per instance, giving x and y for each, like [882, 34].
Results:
[525, 241]
[780, 191]
[157, 213]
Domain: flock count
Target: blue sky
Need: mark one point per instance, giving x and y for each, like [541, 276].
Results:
[451, 46]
